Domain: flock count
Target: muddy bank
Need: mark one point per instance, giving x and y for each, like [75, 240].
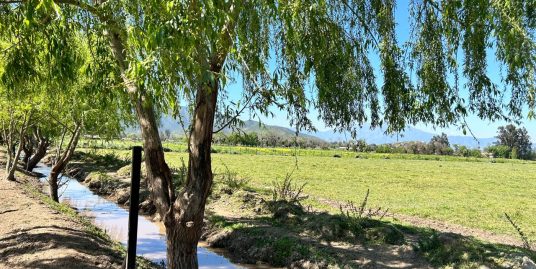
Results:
[38, 233]
[255, 228]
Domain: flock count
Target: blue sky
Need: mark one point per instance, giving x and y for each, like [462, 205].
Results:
[479, 127]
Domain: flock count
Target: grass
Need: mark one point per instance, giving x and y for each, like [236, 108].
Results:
[180, 147]
[470, 193]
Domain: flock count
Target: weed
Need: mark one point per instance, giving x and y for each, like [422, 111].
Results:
[288, 191]
[360, 213]
[232, 180]
[522, 235]
[179, 175]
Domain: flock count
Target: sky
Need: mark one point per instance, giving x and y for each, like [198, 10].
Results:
[480, 128]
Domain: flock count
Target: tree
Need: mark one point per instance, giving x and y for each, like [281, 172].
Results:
[172, 52]
[168, 134]
[516, 139]
[439, 144]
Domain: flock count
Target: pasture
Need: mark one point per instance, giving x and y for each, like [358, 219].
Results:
[474, 193]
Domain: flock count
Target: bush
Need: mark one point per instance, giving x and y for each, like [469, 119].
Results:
[499, 151]
[475, 153]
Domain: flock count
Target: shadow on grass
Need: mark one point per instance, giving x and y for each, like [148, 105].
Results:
[109, 162]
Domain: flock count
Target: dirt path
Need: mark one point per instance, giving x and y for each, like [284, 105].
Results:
[32, 235]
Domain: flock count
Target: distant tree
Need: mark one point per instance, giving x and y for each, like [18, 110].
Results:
[168, 134]
[359, 145]
[516, 139]
[439, 144]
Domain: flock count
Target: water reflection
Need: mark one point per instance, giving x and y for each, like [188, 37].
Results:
[114, 220]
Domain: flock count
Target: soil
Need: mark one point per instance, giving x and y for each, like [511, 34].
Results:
[32, 235]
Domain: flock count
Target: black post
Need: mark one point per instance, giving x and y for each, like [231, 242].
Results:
[134, 204]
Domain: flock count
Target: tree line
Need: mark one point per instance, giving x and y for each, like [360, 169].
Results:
[512, 143]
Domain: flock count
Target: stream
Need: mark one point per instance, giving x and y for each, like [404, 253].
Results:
[113, 220]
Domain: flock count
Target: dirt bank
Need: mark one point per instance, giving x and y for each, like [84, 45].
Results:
[34, 235]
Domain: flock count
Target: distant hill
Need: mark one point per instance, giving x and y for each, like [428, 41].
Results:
[171, 124]
[371, 136]
[263, 129]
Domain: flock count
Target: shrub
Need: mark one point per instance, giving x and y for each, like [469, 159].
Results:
[499, 151]
[475, 153]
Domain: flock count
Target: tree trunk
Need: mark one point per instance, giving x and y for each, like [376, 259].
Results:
[61, 163]
[184, 230]
[181, 254]
[53, 185]
[182, 216]
[14, 162]
[28, 149]
[40, 152]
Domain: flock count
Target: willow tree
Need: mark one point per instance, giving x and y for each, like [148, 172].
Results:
[172, 52]
[56, 74]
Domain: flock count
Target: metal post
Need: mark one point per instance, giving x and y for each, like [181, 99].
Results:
[134, 204]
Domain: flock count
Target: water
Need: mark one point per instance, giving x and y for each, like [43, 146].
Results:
[113, 219]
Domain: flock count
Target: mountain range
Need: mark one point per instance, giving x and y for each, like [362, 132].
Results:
[371, 136]
[378, 136]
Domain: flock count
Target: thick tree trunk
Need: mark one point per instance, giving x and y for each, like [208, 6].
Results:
[184, 230]
[182, 216]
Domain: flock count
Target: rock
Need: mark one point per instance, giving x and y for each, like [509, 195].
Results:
[76, 173]
[218, 239]
[227, 190]
[122, 196]
[527, 263]
[94, 184]
[147, 207]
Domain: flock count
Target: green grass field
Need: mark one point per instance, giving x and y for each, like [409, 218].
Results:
[470, 193]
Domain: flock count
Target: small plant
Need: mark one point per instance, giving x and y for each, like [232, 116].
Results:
[232, 180]
[522, 235]
[358, 213]
[179, 175]
[288, 191]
